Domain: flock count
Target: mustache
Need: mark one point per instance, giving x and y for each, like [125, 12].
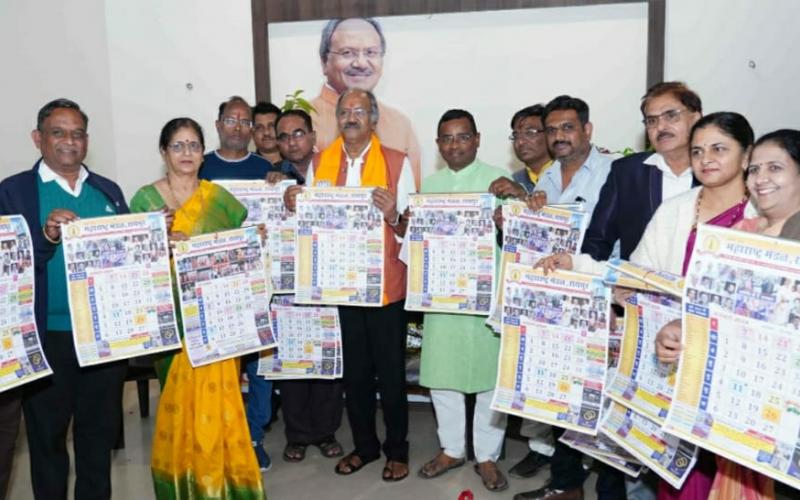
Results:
[355, 125]
[663, 134]
[562, 143]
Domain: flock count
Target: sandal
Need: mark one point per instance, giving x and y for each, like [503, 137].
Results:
[330, 448]
[496, 483]
[294, 452]
[347, 466]
[436, 467]
[388, 471]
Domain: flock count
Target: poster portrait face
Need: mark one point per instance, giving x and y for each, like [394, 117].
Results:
[355, 56]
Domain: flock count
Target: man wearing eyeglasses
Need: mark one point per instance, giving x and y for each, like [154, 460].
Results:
[57, 190]
[530, 146]
[459, 352]
[633, 190]
[233, 161]
[296, 138]
[374, 339]
[351, 52]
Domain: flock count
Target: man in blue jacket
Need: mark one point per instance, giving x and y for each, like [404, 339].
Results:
[59, 189]
[634, 189]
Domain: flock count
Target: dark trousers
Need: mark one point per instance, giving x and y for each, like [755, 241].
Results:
[92, 398]
[10, 412]
[566, 468]
[374, 346]
[312, 410]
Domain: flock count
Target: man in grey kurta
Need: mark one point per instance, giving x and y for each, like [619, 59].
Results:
[459, 352]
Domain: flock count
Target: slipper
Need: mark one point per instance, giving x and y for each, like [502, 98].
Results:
[330, 448]
[388, 474]
[350, 466]
[500, 482]
[294, 452]
[434, 469]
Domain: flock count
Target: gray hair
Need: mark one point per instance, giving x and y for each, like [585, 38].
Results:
[373, 103]
[55, 104]
[327, 34]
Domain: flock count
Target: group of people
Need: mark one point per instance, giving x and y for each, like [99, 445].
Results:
[207, 442]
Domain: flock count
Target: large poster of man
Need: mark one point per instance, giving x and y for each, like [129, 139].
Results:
[420, 65]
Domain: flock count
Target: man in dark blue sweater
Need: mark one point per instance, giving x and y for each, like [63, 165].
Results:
[233, 161]
[59, 189]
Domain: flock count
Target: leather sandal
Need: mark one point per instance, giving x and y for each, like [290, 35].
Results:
[436, 467]
[388, 471]
[294, 452]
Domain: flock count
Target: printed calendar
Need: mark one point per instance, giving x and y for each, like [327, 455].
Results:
[265, 205]
[553, 351]
[119, 287]
[339, 251]
[532, 235]
[666, 455]
[309, 342]
[451, 253]
[640, 381]
[603, 449]
[737, 390]
[21, 357]
[224, 291]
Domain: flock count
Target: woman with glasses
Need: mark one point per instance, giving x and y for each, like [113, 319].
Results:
[201, 444]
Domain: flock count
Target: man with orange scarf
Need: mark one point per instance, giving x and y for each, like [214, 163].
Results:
[374, 339]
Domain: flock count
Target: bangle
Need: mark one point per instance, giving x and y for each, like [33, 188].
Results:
[396, 221]
[48, 238]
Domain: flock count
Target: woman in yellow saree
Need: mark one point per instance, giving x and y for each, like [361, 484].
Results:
[201, 443]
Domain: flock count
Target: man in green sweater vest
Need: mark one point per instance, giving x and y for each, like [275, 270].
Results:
[57, 190]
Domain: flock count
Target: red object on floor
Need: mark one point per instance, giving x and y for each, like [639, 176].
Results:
[466, 495]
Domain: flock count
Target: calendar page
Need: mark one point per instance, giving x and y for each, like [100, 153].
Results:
[553, 351]
[532, 235]
[451, 253]
[629, 275]
[265, 205]
[737, 391]
[309, 342]
[603, 449]
[339, 252]
[666, 455]
[119, 287]
[21, 357]
[640, 381]
[224, 295]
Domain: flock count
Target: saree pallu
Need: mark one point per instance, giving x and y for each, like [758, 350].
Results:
[201, 443]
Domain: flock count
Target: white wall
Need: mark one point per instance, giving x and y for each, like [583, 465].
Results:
[127, 64]
[710, 43]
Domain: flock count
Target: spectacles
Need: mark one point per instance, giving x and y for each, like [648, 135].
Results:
[670, 116]
[458, 138]
[567, 128]
[528, 134]
[230, 121]
[352, 54]
[59, 133]
[296, 135]
[355, 112]
[180, 147]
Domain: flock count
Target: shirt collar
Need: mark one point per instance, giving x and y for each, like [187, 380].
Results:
[660, 163]
[465, 170]
[238, 160]
[47, 174]
[533, 176]
[590, 163]
[360, 158]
